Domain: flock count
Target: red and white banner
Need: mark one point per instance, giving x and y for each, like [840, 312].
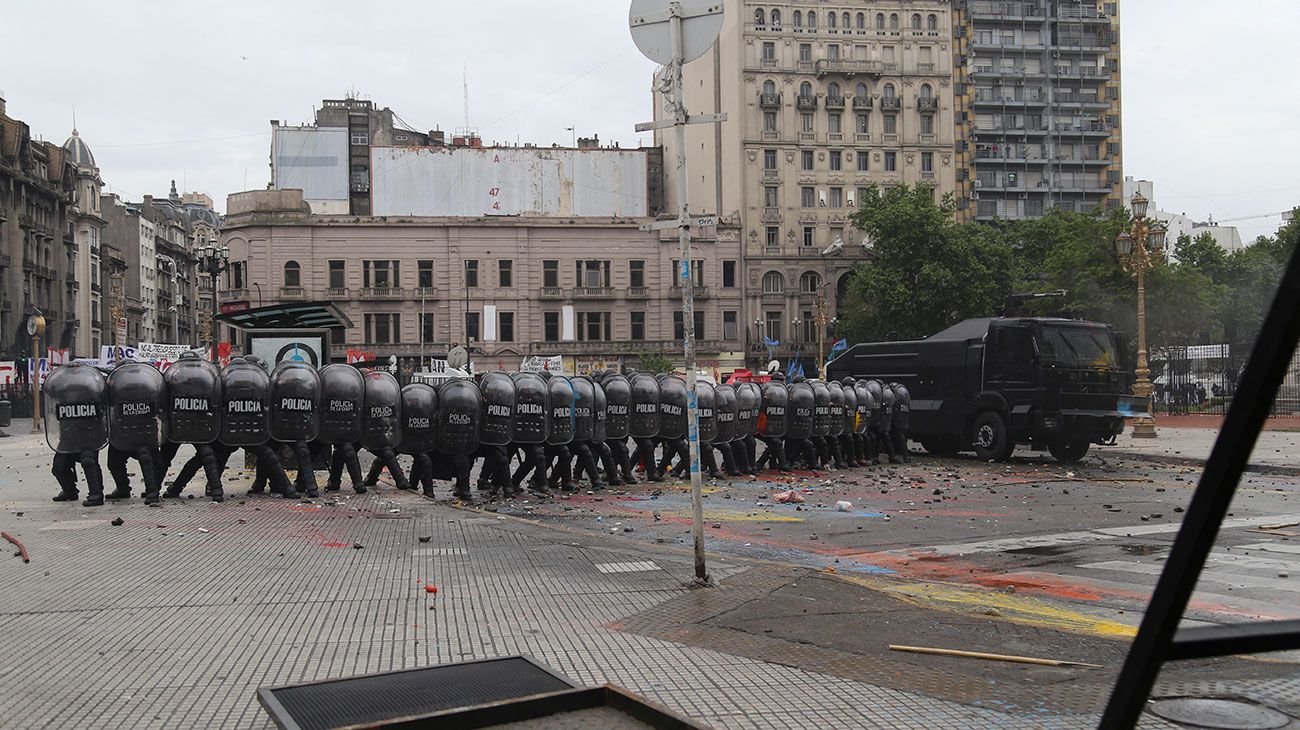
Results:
[59, 356]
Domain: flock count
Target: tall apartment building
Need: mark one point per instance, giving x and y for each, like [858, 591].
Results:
[1038, 103]
[822, 99]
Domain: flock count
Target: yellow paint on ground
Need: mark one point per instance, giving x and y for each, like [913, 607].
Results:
[1008, 606]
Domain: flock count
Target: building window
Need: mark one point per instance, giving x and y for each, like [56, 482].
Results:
[891, 124]
[932, 22]
[769, 159]
[798, 19]
[834, 123]
[893, 21]
[805, 90]
[730, 325]
[773, 236]
[680, 333]
[380, 274]
[807, 197]
[505, 273]
[506, 326]
[776, 19]
[916, 21]
[830, 20]
[471, 326]
[806, 124]
[926, 91]
[837, 160]
[360, 138]
[697, 272]
[880, 21]
[891, 162]
[471, 273]
[837, 198]
[863, 124]
[810, 282]
[384, 328]
[292, 274]
[862, 21]
[864, 160]
[833, 51]
[769, 121]
[636, 273]
[773, 283]
[772, 320]
[805, 159]
[592, 273]
[812, 19]
[637, 321]
[728, 274]
[594, 326]
[424, 274]
[551, 273]
[770, 196]
[927, 124]
[551, 326]
[805, 52]
[426, 327]
[810, 329]
[808, 232]
[769, 51]
[927, 162]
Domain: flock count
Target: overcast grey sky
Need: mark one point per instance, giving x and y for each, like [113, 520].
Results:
[1210, 97]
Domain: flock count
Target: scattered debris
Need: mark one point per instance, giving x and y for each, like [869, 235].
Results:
[787, 497]
[22, 551]
[843, 506]
[430, 588]
[992, 657]
[117, 522]
[357, 546]
[425, 538]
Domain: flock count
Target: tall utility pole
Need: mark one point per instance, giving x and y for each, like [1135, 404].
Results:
[673, 33]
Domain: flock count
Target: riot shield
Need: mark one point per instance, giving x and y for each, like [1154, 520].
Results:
[381, 424]
[498, 398]
[562, 418]
[618, 406]
[865, 403]
[246, 417]
[599, 414]
[584, 397]
[460, 405]
[706, 410]
[343, 389]
[802, 400]
[672, 407]
[836, 420]
[749, 408]
[774, 420]
[902, 406]
[887, 401]
[644, 420]
[876, 390]
[193, 411]
[137, 397]
[532, 408]
[726, 406]
[419, 418]
[75, 397]
[295, 402]
[821, 408]
[850, 409]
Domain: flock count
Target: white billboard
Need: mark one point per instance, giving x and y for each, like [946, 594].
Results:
[528, 181]
[313, 159]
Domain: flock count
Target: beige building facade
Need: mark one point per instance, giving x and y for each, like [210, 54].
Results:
[822, 99]
[593, 290]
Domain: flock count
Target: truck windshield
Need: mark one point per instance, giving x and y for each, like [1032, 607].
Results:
[1077, 347]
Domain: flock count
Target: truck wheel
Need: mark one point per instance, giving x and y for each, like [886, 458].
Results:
[942, 445]
[991, 438]
[1068, 452]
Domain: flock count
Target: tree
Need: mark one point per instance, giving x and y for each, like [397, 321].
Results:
[1204, 254]
[927, 272]
[654, 363]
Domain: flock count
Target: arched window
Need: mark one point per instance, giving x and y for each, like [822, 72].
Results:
[810, 282]
[844, 21]
[769, 87]
[860, 91]
[932, 22]
[830, 20]
[776, 18]
[888, 91]
[805, 89]
[798, 19]
[773, 283]
[759, 17]
[916, 21]
[292, 274]
[880, 21]
[893, 21]
[812, 19]
[862, 21]
[926, 91]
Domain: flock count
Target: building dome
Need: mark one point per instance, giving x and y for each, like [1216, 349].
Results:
[79, 150]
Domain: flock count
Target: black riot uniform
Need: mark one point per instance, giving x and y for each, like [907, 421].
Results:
[725, 407]
[193, 417]
[532, 424]
[799, 425]
[881, 418]
[749, 408]
[773, 424]
[672, 425]
[560, 435]
[381, 425]
[706, 419]
[848, 446]
[343, 389]
[460, 409]
[618, 422]
[584, 428]
[246, 421]
[600, 450]
[644, 422]
[496, 430]
[836, 424]
[137, 398]
[901, 421]
[419, 425]
[295, 416]
[76, 426]
[861, 418]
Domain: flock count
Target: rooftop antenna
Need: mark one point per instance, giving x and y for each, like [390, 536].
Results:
[464, 78]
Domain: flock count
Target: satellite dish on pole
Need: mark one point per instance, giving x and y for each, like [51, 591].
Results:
[458, 358]
[649, 21]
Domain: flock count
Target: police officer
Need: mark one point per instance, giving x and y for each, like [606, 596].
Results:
[295, 416]
[881, 418]
[799, 430]
[749, 407]
[644, 422]
[194, 417]
[76, 427]
[343, 406]
[419, 425]
[460, 409]
[381, 425]
[496, 430]
[772, 426]
[136, 396]
[532, 424]
[861, 418]
[901, 421]
[618, 415]
[245, 422]
[707, 427]
[672, 425]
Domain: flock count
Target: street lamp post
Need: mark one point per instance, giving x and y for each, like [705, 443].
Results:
[1140, 248]
[213, 260]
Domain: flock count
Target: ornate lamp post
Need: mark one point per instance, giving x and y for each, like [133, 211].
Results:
[213, 260]
[1140, 248]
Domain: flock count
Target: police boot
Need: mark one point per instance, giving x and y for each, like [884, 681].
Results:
[171, 492]
[333, 485]
[66, 496]
[120, 493]
[217, 494]
[152, 497]
[95, 495]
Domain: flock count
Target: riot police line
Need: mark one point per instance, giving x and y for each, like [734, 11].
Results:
[556, 427]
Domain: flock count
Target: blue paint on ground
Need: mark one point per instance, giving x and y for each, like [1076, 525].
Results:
[864, 568]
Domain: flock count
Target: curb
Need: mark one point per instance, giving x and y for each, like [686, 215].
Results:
[1198, 462]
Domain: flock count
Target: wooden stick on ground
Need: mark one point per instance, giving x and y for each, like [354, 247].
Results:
[993, 657]
[22, 551]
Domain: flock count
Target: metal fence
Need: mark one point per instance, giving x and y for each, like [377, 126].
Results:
[1204, 378]
[20, 396]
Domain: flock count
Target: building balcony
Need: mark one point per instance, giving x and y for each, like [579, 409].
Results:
[850, 67]
[778, 296]
[861, 102]
[6, 260]
[834, 102]
[638, 292]
[232, 295]
[627, 347]
[806, 102]
[699, 292]
[769, 101]
[70, 277]
[550, 292]
[771, 174]
[292, 292]
[927, 104]
[426, 292]
[26, 221]
[987, 101]
[47, 272]
[593, 292]
[807, 136]
[336, 292]
[381, 292]
[891, 103]
[925, 68]
[927, 138]
[94, 287]
[94, 250]
[771, 215]
[771, 136]
[862, 137]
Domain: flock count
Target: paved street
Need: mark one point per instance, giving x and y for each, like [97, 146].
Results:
[174, 618]
[1275, 450]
